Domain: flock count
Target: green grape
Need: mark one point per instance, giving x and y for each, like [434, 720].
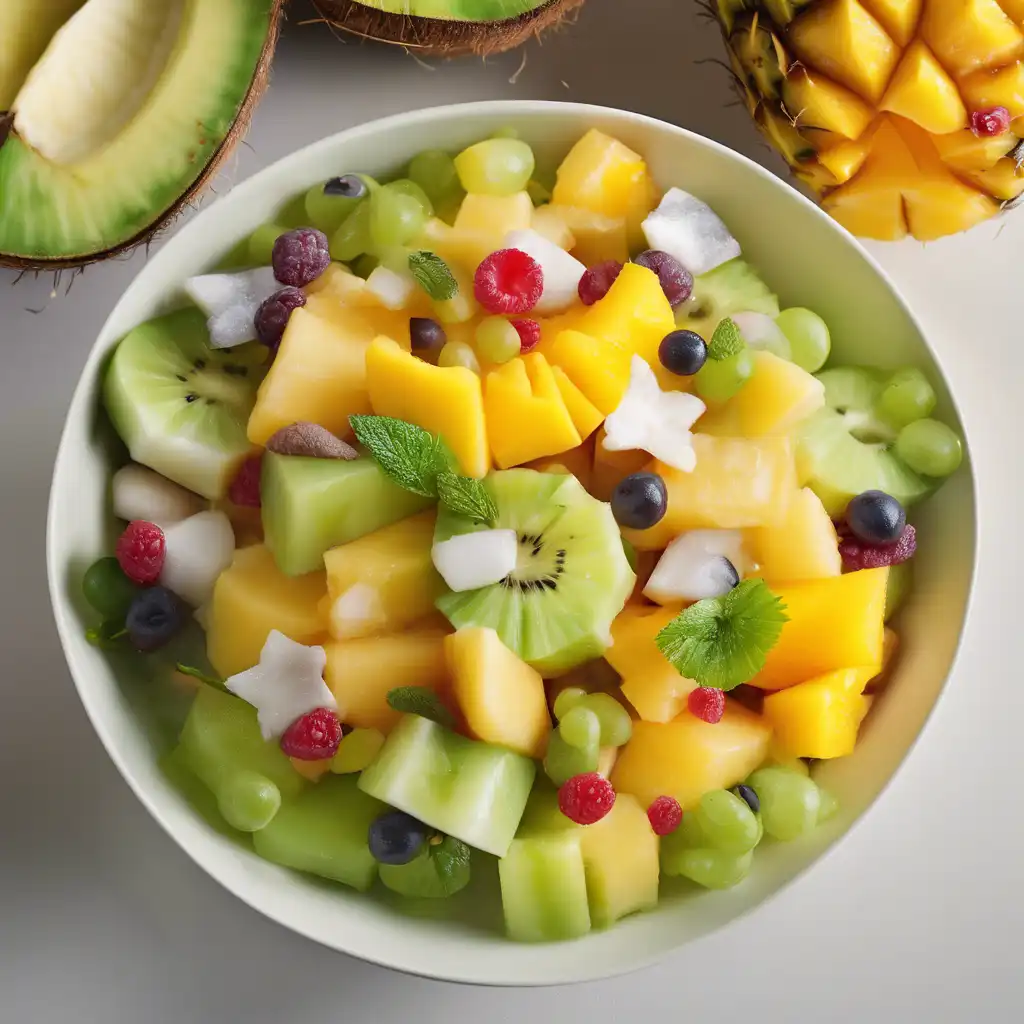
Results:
[248, 800]
[410, 188]
[458, 353]
[448, 209]
[394, 257]
[363, 266]
[107, 588]
[714, 869]
[505, 133]
[690, 835]
[328, 212]
[352, 239]
[261, 244]
[434, 171]
[567, 700]
[719, 379]
[808, 336]
[563, 761]
[293, 213]
[495, 167]
[829, 805]
[729, 824]
[790, 802]
[929, 447]
[497, 340]
[906, 397]
[357, 750]
[396, 217]
[580, 728]
[616, 725]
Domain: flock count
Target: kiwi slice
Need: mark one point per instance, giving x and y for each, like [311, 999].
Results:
[734, 287]
[572, 578]
[180, 406]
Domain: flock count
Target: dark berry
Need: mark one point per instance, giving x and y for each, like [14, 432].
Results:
[707, 704]
[313, 737]
[586, 799]
[858, 555]
[244, 490]
[597, 281]
[876, 518]
[683, 353]
[428, 337]
[640, 501]
[107, 589]
[348, 186]
[155, 616]
[749, 797]
[274, 313]
[665, 815]
[396, 837]
[141, 551]
[300, 256]
[676, 280]
[987, 123]
[529, 335]
[508, 281]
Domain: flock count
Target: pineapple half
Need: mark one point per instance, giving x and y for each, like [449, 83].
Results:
[870, 103]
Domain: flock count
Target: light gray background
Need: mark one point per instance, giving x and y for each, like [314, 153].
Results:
[916, 917]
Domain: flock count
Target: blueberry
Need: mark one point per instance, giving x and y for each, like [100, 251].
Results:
[396, 837]
[676, 281]
[876, 518]
[155, 616]
[428, 336]
[348, 186]
[683, 353]
[751, 798]
[640, 501]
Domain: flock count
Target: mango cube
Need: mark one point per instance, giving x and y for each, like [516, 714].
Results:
[601, 174]
[922, 92]
[599, 369]
[817, 102]
[967, 35]
[803, 547]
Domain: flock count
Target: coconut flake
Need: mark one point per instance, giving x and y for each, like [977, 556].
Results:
[697, 565]
[230, 302]
[469, 561]
[687, 228]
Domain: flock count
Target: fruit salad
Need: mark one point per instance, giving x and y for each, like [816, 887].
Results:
[526, 536]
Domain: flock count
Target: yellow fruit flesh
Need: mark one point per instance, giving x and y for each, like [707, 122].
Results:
[611, 467]
[1004, 180]
[814, 101]
[898, 17]
[599, 369]
[586, 416]
[548, 223]
[803, 547]
[1003, 88]
[922, 91]
[598, 237]
[600, 174]
[965, 151]
[969, 34]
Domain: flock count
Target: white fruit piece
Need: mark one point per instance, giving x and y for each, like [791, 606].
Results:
[690, 230]
[760, 331]
[655, 421]
[390, 289]
[562, 272]
[469, 561]
[142, 493]
[197, 551]
[698, 564]
[230, 302]
[357, 612]
[287, 683]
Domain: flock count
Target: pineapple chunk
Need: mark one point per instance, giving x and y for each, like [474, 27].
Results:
[598, 236]
[384, 581]
[526, 415]
[252, 597]
[804, 547]
[1002, 88]
[610, 467]
[944, 208]
[601, 174]
[844, 160]
[1004, 180]
[548, 223]
[446, 400]
[552, 326]
[898, 17]
[597, 367]
[484, 221]
[965, 151]
[586, 417]
[868, 213]
[970, 34]
[833, 623]
[502, 699]
[815, 102]
[922, 92]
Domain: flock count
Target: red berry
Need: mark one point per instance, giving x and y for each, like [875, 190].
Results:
[245, 488]
[529, 335]
[676, 281]
[508, 281]
[586, 798]
[993, 121]
[141, 551]
[707, 704]
[273, 315]
[597, 280]
[312, 737]
[857, 554]
[665, 814]
[300, 256]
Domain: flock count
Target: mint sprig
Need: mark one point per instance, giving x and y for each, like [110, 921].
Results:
[726, 341]
[433, 275]
[722, 642]
[421, 701]
[466, 497]
[451, 862]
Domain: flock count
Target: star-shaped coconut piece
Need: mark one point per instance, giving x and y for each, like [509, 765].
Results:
[287, 683]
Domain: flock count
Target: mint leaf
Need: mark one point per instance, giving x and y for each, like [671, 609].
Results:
[195, 673]
[410, 455]
[466, 497]
[726, 341]
[106, 634]
[451, 862]
[433, 275]
[722, 642]
[422, 701]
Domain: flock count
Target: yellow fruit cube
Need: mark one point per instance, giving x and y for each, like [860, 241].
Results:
[1004, 180]
[935, 210]
[867, 212]
[446, 400]
[552, 326]
[687, 758]
[360, 674]
[921, 91]
[549, 223]
[738, 482]
[462, 306]
[833, 623]
[844, 160]
[816, 102]
[501, 698]
[252, 597]
[1001, 88]
[483, 222]
[820, 718]
[384, 581]
[600, 174]
[611, 467]
[898, 17]
[803, 547]
[597, 367]
[970, 34]
[586, 416]
[598, 237]
[965, 151]
[526, 415]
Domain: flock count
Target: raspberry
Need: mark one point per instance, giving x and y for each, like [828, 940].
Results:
[245, 488]
[313, 737]
[676, 281]
[665, 814]
[273, 315]
[586, 798]
[508, 281]
[141, 551]
[300, 256]
[707, 704]
[993, 121]
[529, 335]
[596, 281]
[857, 554]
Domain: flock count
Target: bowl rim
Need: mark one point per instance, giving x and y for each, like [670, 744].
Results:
[83, 392]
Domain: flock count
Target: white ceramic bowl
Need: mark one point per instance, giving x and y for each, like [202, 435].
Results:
[805, 257]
